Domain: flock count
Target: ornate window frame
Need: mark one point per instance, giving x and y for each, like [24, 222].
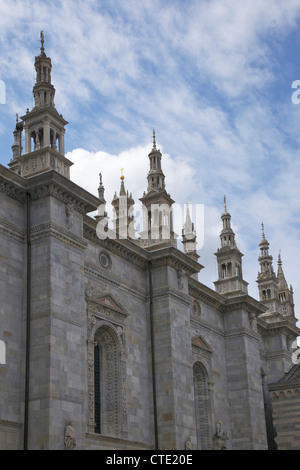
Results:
[202, 357]
[106, 314]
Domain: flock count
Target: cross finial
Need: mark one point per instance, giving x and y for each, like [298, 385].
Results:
[225, 206]
[42, 41]
[122, 177]
[154, 142]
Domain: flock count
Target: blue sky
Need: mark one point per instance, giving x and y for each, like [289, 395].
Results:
[214, 78]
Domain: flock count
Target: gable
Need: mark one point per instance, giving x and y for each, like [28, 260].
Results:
[199, 342]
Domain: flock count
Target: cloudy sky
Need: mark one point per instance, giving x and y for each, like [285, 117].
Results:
[214, 78]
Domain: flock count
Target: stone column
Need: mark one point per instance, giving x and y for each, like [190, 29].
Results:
[27, 139]
[46, 134]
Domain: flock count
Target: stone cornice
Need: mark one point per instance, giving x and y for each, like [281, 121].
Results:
[170, 256]
[134, 253]
[51, 229]
[93, 272]
[273, 387]
[170, 292]
[12, 184]
[242, 331]
[126, 249]
[244, 302]
[12, 231]
[55, 185]
[49, 183]
[43, 113]
[203, 293]
[36, 153]
[117, 443]
[284, 326]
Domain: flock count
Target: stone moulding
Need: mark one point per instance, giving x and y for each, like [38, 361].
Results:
[10, 230]
[54, 230]
[199, 342]
[116, 247]
[62, 195]
[206, 295]
[92, 272]
[281, 392]
[12, 191]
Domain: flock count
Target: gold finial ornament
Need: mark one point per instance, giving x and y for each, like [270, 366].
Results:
[122, 177]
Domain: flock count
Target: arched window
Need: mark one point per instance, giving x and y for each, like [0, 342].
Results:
[2, 353]
[107, 393]
[202, 407]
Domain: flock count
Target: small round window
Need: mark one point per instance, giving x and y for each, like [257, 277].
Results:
[105, 260]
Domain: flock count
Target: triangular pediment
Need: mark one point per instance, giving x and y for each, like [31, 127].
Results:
[109, 301]
[105, 300]
[200, 342]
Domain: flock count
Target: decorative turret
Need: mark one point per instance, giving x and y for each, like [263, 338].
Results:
[44, 128]
[123, 208]
[101, 208]
[156, 178]
[278, 324]
[285, 295]
[189, 239]
[157, 206]
[43, 90]
[189, 236]
[229, 258]
[266, 279]
[17, 145]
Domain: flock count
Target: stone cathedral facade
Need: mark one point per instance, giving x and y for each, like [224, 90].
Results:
[109, 341]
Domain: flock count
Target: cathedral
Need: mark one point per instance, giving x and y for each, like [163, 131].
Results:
[107, 338]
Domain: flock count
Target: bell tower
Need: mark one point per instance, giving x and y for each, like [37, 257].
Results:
[43, 126]
[229, 258]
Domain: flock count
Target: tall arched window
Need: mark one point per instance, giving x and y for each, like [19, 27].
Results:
[107, 392]
[202, 407]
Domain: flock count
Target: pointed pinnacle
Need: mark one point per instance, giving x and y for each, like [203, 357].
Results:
[154, 142]
[42, 41]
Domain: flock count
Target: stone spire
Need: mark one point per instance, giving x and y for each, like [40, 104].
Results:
[282, 284]
[266, 279]
[189, 234]
[43, 126]
[265, 260]
[156, 177]
[43, 90]
[229, 258]
[101, 189]
[285, 294]
[157, 205]
[101, 208]
[227, 235]
[123, 208]
[189, 239]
